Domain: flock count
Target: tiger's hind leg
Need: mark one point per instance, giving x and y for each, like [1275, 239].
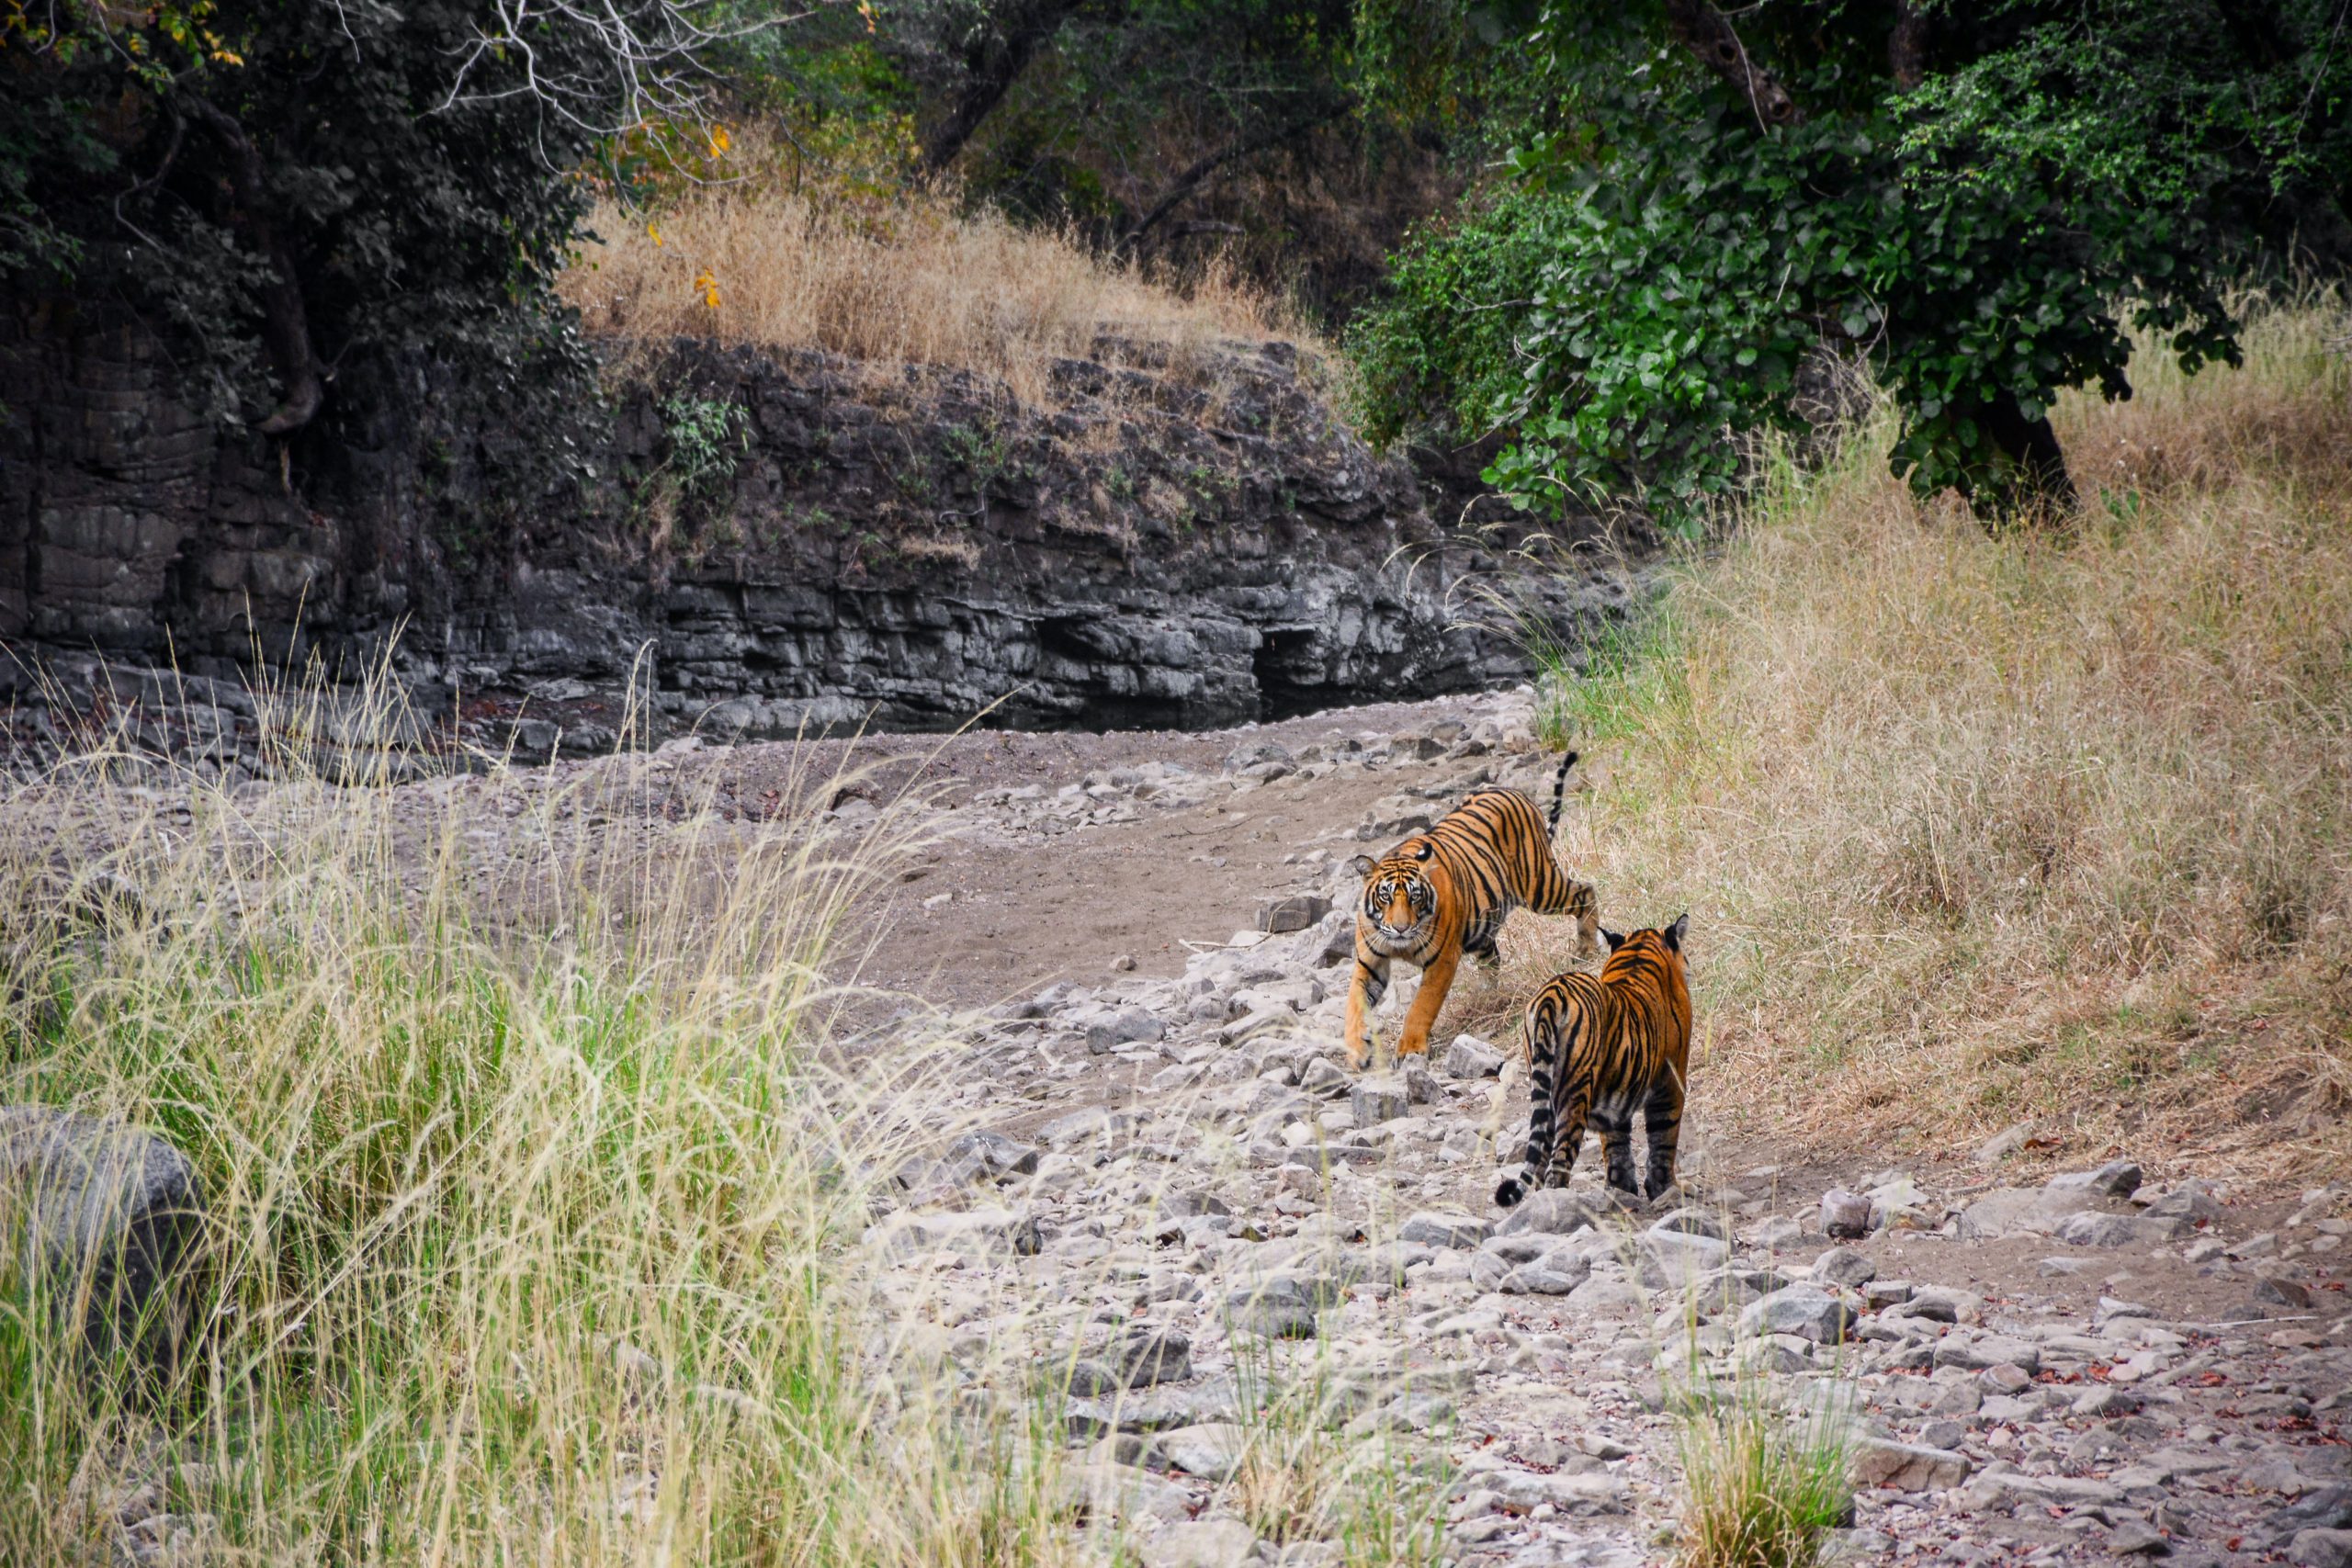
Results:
[1615, 1126]
[1662, 1123]
[1569, 1130]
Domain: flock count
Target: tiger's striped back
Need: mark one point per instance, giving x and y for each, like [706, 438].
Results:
[1603, 1047]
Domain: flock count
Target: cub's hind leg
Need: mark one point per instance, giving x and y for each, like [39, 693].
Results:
[1662, 1123]
[1614, 1122]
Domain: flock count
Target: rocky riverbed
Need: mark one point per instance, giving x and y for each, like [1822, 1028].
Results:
[1149, 1201]
[1172, 1195]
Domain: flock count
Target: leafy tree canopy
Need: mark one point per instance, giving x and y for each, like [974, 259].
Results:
[287, 188]
[1971, 197]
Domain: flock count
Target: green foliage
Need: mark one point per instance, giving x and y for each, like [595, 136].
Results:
[1665, 263]
[706, 437]
[1437, 361]
[293, 191]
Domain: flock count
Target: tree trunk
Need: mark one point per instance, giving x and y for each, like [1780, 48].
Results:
[1190, 179]
[2038, 467]
[1907, 45]
[285, 321]
[994, 64]
[1711, 39]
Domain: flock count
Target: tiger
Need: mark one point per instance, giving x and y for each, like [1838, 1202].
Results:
[1445, 892]
[1602, 1047]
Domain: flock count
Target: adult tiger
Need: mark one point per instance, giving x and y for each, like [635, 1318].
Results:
[1444, 893]
[1601, 1048]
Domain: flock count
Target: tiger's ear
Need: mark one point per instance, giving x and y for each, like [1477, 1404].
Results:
[1362, 865]
[1674, 932]
[1614, 938]
[1424, 850]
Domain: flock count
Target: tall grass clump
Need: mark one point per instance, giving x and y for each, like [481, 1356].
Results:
[2051, 821]
[1760, 1488]
[525, 1198]
[906, 278]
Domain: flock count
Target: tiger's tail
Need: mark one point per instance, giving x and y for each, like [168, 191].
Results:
[1559, 793]
[1540, 1115]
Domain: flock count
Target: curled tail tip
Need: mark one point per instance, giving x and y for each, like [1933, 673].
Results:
[1509, 1191]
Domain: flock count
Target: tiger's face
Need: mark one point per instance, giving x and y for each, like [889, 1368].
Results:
[1399, 900]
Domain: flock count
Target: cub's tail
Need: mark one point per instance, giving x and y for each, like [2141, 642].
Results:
[1560, 792]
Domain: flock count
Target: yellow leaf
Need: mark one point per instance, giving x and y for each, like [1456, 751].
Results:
[655, 232]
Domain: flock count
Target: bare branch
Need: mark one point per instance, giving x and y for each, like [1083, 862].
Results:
[642, 64]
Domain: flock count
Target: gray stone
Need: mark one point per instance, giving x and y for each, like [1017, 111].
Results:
[2116, 1178]
[2089, 1229]
[1552, 1210]
[993, 1154]
[1691, 1220]
[1845, 1214]
[1680, 1259]
[974, 1232]
[1326, 1079]
[1977, 1351]
[1119, 1491]
[1429, 1228]
[2003, 1143]
[1201, 1543]
[1159, 1409]
[2321, 1548]
[1126, 1027]
[2134, 1538]
[1844, 1266]
[2006, 1211]
[112, 1214]
[1804, 1310]
[1212, 1451]
[2282, 1291]
[1471, 1057]
[1906, 1467]
[1144, 1357]
[1377, 1099]
[1280, 1306]
[2192, 1202]
[1555, 1274]
[1296, 913]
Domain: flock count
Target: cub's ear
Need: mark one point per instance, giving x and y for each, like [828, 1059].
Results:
[1362, 865]
[1424, 850]
[1674, 932]
[1614, 938]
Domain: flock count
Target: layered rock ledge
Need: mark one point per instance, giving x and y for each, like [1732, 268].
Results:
[759, 544]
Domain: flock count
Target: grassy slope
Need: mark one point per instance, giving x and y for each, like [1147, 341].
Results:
[1976, 829]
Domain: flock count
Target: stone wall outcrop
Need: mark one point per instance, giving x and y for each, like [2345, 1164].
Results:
[757, 544]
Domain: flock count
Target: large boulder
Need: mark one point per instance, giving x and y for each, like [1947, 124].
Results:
[110, 1215]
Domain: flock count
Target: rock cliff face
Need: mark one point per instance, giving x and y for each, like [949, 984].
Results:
[759, 543]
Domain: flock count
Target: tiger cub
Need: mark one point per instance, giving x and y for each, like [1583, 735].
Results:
[1444, 893]
[1603, 1048]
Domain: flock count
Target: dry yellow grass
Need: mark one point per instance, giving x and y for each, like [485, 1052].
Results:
[907, 281]
[1980, 829]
